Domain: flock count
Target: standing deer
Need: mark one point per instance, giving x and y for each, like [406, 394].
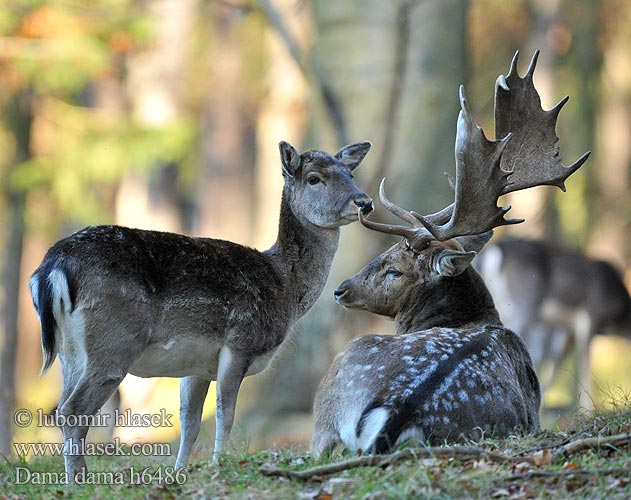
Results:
[555, 298]
[114, 300]
[452, 369]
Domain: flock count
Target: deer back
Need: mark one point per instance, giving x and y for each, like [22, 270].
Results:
[431, 386]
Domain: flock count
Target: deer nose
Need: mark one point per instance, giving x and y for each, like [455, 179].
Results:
[364, 202]
[340, 291]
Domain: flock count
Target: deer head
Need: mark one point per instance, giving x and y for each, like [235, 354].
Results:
[438, 248]
[319, 187]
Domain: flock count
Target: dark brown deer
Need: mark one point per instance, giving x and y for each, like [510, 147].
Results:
[452, 369]
[556, 299]
[114, 300]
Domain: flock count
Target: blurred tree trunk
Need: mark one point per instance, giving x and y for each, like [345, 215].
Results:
[19, 118]
[393, 70]
[157, 91]
[225, 191]
[612, 219]
[586, 60]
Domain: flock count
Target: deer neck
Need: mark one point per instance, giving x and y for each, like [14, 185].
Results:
[453, 303]
[302, 255]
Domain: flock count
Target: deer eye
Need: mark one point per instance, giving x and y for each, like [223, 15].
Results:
[313, 180]
[393, 273]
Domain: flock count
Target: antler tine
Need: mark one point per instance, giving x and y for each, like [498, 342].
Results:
[394, 209]
[532, 155]
[513, 64]
[479, 182]
[533, 63]
[407, 232]
[411, 234]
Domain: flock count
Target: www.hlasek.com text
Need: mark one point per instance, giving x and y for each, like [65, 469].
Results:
[87, 448]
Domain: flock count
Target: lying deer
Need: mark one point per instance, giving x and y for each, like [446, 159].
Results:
[556, 298]
[452, 369]
[114, 300]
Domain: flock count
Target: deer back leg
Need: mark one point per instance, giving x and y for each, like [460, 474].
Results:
[104, 365]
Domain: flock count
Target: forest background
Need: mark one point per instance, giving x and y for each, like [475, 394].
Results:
[167, 114]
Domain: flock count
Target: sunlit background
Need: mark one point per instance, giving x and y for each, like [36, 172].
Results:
[167, 115]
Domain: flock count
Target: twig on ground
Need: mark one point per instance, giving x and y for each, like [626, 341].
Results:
[463, 452]
[564, 473]
[592, 442]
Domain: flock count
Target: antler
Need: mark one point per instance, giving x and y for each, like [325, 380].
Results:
[531, 156]
[526, 152]
[480, 181]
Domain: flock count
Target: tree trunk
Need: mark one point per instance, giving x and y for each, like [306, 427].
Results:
[20, 118]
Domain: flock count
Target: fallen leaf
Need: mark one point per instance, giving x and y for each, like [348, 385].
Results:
[542, 457]
[340, 480]
[570, 466]
[309, 494]
[618, 483]
[502, 492]
[522, 467]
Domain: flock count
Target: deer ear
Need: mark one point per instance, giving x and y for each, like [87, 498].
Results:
[450, 263]
[289, 158]
[474, 243]
[353, 154]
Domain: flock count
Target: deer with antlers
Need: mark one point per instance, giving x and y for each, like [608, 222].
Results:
[452, 369]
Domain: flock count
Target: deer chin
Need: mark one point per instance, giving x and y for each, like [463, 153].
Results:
[348, 217]
[348, 303]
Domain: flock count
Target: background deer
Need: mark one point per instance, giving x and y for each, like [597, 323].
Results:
[452, 369]
[556, 299]
[114, 300]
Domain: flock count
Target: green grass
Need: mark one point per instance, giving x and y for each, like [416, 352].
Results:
[578, 475]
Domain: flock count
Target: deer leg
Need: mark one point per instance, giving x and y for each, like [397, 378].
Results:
[323, 443]
[560, 347]
[535, 336]
[71, 371]
[101, 365]
[232, 369]
[193, 392]
[583, 334]
[91, 392]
